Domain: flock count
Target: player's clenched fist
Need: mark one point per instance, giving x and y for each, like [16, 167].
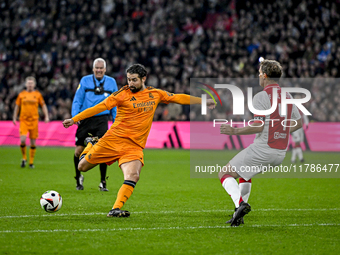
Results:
[227, 129]
[211, 104]
[67, 123]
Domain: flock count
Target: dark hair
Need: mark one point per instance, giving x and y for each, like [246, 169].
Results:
[138, 69]
[272, 69]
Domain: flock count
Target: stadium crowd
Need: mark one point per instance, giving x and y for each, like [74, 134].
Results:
[176, 40]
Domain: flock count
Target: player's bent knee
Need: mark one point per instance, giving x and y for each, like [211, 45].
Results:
[131, 170]
[133, 177]
[228, 170]
[84, 166]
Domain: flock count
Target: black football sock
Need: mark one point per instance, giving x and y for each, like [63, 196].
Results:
[102, 168]
[76, 162]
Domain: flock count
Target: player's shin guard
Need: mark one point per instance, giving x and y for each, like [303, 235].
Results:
[32, 154]
[245, 188]
[124, 193]
[232, 188]
[23, 151]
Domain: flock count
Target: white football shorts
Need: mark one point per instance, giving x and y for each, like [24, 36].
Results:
[250, 161]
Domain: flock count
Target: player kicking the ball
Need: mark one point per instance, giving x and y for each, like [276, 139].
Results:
[270, 144]
[125, 140]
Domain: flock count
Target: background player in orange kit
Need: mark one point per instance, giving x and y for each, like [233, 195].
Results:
[27, 102]
[125, 140]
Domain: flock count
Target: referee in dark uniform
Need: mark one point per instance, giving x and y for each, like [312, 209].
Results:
[92, 90]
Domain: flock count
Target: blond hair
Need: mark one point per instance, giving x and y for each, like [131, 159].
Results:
[31, 78]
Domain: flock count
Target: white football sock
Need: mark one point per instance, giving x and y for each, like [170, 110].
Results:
[299, 153]
[293, 154]
[245, 188]
[231, 186]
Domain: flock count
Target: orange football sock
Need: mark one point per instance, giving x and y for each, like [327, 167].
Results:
[23, 151]
[32, 154]
[124, 193]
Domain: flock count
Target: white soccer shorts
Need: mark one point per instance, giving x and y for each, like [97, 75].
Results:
[250, 161]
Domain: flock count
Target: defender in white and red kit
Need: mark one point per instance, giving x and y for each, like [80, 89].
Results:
[270, 145]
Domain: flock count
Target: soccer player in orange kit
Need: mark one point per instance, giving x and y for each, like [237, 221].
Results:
[126, 138]
[28, 102]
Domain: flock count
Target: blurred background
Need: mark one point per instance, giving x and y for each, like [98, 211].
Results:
[57, 41]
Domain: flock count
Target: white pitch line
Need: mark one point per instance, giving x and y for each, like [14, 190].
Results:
[162, 228]
[298, 209]
[168, 212]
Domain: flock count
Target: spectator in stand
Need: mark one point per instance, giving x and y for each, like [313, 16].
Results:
[174, 39]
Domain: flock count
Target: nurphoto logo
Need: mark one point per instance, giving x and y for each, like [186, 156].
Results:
[238, 100]
[238, 103]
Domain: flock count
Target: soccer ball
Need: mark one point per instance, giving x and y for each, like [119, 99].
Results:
[51, 201]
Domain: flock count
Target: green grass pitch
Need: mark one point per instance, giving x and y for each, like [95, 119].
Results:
[171, 213]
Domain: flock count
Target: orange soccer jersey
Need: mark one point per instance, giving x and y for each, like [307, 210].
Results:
[135, 111]
[29, 103]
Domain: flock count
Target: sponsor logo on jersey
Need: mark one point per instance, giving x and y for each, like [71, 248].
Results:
[278, 135]
[143, 104]
[133, 99]
[150, 95]
[259, 118]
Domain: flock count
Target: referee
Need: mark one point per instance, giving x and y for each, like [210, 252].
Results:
[92, 90]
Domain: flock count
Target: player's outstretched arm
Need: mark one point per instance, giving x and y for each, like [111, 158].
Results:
[89, 112]
[187, 99]
[249, 130]
[298, 126]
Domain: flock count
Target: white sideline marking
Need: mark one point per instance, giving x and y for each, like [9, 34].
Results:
[168, 212]
[164, 228]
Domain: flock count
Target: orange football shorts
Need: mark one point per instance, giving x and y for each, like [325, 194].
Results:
[29, 126]
[110, 148]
